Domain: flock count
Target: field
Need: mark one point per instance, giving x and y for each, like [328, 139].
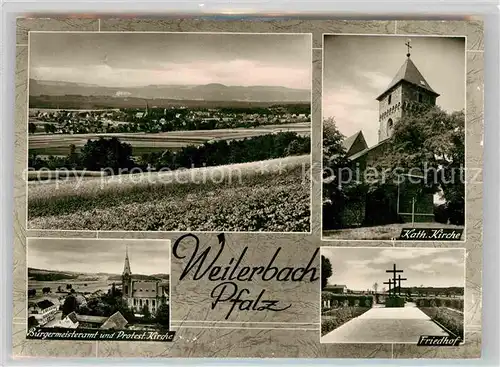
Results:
[271, 196]
[58, 144]
[385, 232]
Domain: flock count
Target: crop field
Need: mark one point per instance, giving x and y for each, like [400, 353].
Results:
[58, 144]
[268, 196]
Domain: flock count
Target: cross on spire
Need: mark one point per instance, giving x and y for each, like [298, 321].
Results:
[407, 44]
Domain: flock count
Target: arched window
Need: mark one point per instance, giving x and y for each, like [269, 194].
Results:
[390, 125]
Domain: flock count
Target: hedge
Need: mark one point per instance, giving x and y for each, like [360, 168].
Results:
[394, 302]
[332, 319]
[346, 300]
[457, 304]
[450, 319]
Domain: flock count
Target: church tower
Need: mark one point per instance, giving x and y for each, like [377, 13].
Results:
[408, 91]
[127, 277]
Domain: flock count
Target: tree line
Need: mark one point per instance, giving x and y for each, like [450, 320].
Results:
[112, 154]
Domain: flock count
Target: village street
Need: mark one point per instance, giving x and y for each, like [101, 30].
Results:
[385, 325]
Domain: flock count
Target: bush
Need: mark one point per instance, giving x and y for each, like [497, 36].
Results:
[395, 301]
[450, 319]
[346, 300]
[455, 303]
[332, 319]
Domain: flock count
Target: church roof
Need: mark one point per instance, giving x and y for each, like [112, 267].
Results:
[409, 73]
[350, 141]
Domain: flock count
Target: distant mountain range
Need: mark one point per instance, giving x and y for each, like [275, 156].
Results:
[208, 92]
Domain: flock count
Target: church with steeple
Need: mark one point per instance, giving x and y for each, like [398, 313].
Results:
[141, 291]
[407, 93]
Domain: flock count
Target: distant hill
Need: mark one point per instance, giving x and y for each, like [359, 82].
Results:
[208, 92]
[52, 275]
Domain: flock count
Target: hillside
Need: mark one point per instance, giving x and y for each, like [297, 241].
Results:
[272, 196]
[54, 275]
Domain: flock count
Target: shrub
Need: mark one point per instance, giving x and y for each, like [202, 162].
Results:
[330, 320]
[395, 302]
[346, 300]
[455, 303]
[450, 319]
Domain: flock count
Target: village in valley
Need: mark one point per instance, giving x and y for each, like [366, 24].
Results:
[104, 301]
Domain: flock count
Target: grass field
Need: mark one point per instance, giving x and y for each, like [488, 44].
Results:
[271, 196]
[386, 232]
[58, 144]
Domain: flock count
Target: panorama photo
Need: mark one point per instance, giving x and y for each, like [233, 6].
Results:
[169, 131]
[393, 136]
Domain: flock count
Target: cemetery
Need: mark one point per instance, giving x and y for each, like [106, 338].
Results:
[394, 315]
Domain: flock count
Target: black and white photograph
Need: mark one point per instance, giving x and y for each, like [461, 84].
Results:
[102, 285]
[392, 295]
[150, 131]
[393, 136]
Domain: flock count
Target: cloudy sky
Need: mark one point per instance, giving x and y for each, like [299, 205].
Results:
[357, 69]
[96, 256]
[137, 59]
[360, 268]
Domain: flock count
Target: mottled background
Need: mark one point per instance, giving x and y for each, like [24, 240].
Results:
[295, 332]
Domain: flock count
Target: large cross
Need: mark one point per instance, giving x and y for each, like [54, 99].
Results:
[399, 282]
[390, 283]
[407, 44]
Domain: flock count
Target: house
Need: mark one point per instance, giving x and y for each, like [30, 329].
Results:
[74, 320]
[336, 288]
[69, 322]
[43, 311]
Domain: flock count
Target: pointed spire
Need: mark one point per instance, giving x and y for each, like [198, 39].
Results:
[126, 268]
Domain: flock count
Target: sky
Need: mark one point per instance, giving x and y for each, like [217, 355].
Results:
[137, 59]
[357, 69]
[360, 268]
[99, 256]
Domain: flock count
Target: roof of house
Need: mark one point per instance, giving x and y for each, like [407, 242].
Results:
[45, 304]
[73, 317]
[115, 321]
[409, 73]
[336, 286]
[91, 319]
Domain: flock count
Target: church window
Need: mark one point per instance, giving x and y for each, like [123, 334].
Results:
[389, 100]
[153, 302]
[140, 302]
[135, 302]
[420, 98]
[390, 125]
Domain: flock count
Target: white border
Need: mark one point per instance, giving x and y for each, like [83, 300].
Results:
[397, 249]
[311, 71]
[168, 242]
[394, 241]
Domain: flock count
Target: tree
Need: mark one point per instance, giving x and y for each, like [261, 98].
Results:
[31, 128]
[162, 316]
[326, 271]
[431, 143]
[145, 312]
[375, 287]
[106, 154]
[69, 306]
[32, 322]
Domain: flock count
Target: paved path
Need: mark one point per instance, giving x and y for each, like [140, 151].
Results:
[385, 325]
